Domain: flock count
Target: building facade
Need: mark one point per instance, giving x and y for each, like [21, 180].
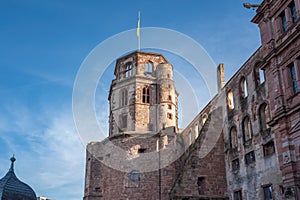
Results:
[245, 144]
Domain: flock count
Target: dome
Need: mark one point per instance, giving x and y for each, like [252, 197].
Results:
[11, 188]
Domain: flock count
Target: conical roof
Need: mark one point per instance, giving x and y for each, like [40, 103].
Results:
[11, 188]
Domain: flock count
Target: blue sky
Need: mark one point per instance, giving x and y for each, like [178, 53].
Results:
[44, 42]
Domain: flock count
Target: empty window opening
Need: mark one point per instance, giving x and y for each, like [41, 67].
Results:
[283, 21]
[134, 176]
[148, 68]
[233, 138]
[128, 70]
[243, 88]
[247, 130]
[230, 101]
[268, 192]
[170, 116]
[261, 76]
[142, 150]
[237, 195]
[269, 148]
[293, 12]
[264, 116]
[235, 164]
[250, 158]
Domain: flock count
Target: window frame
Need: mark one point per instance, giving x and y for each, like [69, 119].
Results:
[249, 128]
[146, 95]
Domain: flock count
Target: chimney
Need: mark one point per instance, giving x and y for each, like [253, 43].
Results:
[221, 77]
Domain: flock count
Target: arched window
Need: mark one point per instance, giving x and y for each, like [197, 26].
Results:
[264, 116]
[124, 97]
[243, 87]
[230, 101]
[146, 95]
[233, 137]
[128, 70]
[148, 68]
[247, 130]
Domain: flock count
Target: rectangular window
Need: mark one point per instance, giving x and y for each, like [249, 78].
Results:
[235, 164]
[269, 148]
[250, 158]
[268, 192]
[294, 79]
[293, 12]
[261, 76]
[283, 21]
[237, 195]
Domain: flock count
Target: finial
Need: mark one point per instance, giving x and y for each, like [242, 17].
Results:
[12, 159]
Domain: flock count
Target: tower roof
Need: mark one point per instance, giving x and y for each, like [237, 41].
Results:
[11, 188]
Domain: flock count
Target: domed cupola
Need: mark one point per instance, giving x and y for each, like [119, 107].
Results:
[11, 188]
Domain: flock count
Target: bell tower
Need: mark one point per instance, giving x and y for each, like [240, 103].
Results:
[142, 97]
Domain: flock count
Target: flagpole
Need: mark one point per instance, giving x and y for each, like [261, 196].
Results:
[138, 32]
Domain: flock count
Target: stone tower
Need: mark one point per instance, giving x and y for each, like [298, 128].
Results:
[142, 98]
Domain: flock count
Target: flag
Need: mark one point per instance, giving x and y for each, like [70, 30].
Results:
[138, 27]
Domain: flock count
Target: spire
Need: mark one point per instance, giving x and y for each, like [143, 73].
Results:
[12, 159]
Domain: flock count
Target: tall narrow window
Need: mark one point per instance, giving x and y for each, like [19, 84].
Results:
[243, 87]
[264, 116]
[237, 195]
[293, 12]
[123, 121]
[128, 70]
[204, 118]
[261, 76]
[250, 158]
[247, 130]
[230, 101]
[124, 97]
[146, 95]
[283, 21]
[268, 192]
[294, 79]
[148, 68]
[233, 138]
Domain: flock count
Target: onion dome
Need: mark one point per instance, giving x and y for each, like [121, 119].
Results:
[11, 188]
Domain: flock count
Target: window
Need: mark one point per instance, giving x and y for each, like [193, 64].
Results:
[169, 115]
[250, 158]
[235, 164]
[142, 150]
[294, 79]
[128, 70]
[124, 97]
[268, 192]
[293, 12]
[283, 21]
[230, 101]
[204, 118]
[123, 121]
[264, 116]
[134, 176]
[247, 130]
[261, 76]
[237, 195]
[170, 98]
[201, 185]
[233, 138]
[243, 87]
[148, 68]
[269, 148]
[170, 106]
[146, 95]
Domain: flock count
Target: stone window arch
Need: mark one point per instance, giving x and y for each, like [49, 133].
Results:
[146, 95]
[124, 97]
[247, 129]
[243, 87]
[230, 100]
[264, 116]
[233, 137]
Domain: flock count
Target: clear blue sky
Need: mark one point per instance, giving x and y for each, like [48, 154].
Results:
[43, 43]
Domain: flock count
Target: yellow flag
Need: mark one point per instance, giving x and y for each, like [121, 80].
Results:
[138, 27]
